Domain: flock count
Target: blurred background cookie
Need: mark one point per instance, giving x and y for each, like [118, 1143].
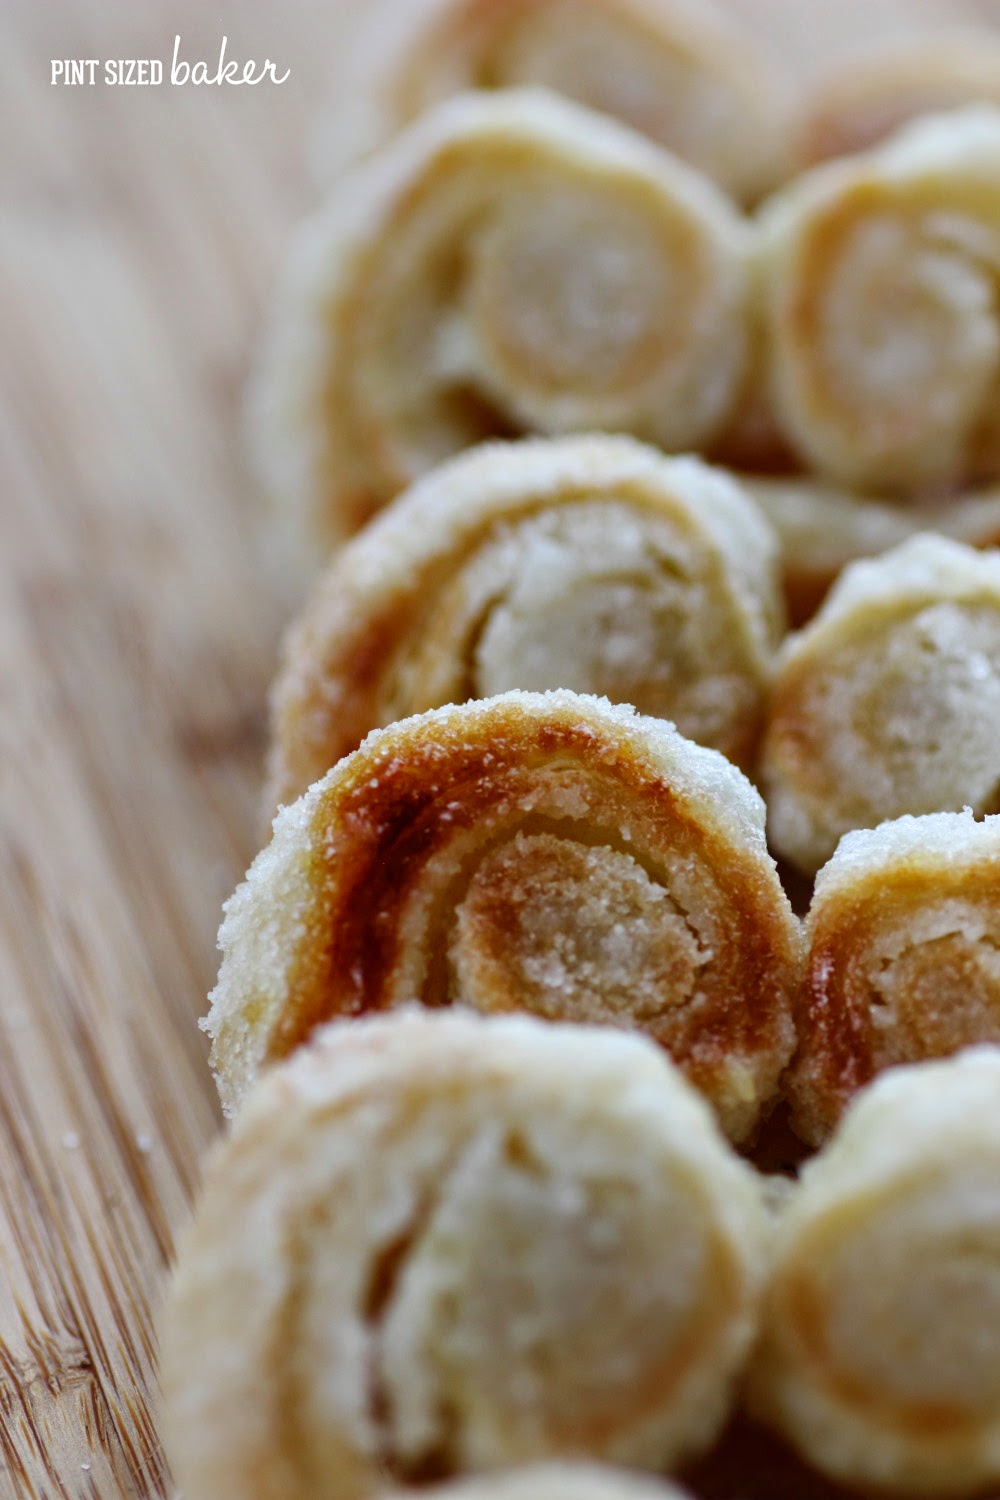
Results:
[681, 72]
[512, 262]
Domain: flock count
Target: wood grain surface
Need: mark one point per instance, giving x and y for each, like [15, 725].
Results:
[140, 604]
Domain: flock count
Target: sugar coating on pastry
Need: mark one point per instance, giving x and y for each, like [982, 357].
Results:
[868, 96]
[593, 563]
[557, 1481]
[677, 71]
[878, 286]
[546, 851]
[511, 263]
[879, 1359]
[903, 957]
[439, 1243]
[888, 702]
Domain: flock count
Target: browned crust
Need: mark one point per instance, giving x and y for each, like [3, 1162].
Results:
[834, 1016]
[379, 826]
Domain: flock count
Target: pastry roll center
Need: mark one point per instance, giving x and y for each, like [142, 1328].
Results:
[935, 985]
[909, 326]
[557, 322]
[512, 1302]
[619, 604]
[573, 932]
[928, 704]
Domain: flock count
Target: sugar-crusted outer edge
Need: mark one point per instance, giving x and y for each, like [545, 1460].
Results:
[285, 425]
[555, 1481]
[947, 842]
[229, 1268]
[498, 481]
[923, 569]
[919, 1117]
[272, 906]
[961, 142]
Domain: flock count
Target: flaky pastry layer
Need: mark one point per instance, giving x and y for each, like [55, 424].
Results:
[540, 851]
[903, 957]
[881, 1327]
[592, 563]
[436, 1244]
[888, 702]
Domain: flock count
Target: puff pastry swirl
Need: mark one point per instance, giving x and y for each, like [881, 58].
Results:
[676, 70]
[592, 563]
[881, 1327]
[888, 702]
[436, 1244]
[903, 958]
[535, 851]
[511, 263]
[879, 282]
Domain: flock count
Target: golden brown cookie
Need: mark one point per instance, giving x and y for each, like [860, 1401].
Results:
[545, 852]
[888, 702]
[439, 1243]
[879, 1357]
[879, 277]
[591, 563]
[511, 263]
[903, 958]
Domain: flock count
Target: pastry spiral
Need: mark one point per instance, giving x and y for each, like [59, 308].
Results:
[882, 1324]
[865, 98]
[903, 958]
[441, 1243]
[535, 851]
[879, 289]
[821, 529]
[675, 70]
[590, 563]
[888, 702]
[511, 263]
[557, 1481]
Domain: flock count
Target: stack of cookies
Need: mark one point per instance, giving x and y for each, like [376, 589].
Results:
[610, 1023]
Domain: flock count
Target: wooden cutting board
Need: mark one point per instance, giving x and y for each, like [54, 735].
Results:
[140, 606]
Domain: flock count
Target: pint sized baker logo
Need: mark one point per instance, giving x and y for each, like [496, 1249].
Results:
[151, 72]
